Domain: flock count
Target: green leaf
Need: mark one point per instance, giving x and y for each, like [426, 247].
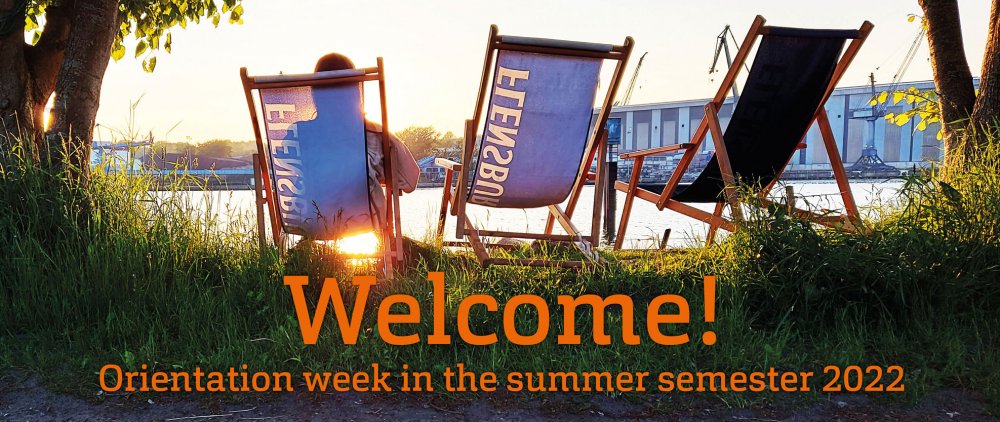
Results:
[140, 48]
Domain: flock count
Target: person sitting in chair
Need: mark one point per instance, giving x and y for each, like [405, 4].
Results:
[405, 170]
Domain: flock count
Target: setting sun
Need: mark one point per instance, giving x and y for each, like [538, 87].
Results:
[362, 244]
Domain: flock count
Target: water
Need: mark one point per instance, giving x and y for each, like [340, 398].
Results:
[646, 224]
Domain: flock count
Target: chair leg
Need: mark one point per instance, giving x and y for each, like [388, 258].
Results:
[839, 173]
[722, 155]
[713, 227]
[665, 239]
[633, 183]
[478, 247]
[623, 222]
[388, 261]
[445, 199]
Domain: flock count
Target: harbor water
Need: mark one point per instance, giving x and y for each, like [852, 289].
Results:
[646, 224]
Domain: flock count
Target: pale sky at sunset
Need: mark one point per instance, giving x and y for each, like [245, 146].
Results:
[433, 52]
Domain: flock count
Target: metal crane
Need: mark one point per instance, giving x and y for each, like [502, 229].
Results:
[722, 46]
[631, 84]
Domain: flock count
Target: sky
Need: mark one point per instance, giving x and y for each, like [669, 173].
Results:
[433, 52]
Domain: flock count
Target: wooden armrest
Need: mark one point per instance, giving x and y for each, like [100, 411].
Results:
[448, 164]
[660, 150]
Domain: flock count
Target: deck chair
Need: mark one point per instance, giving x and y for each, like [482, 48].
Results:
[312, 166]
[539, 137]
[792, 76]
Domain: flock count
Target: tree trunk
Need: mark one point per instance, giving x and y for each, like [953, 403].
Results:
[78, 88]
[952, 77]
[45, 57]
[15, 104]
[986, 113]
[30, 76]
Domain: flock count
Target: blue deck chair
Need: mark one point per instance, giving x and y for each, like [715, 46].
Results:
[792, 76]
[532, 139]
[312, 158]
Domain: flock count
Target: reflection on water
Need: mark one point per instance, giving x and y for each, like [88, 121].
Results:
[646, 225]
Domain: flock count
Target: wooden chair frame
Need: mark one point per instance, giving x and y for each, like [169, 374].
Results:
[455, 200]
[710, 124]
[390, 235]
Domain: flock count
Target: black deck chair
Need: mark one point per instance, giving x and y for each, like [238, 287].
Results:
[793, 74]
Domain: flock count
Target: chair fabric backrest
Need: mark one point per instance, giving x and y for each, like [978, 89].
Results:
[538, 120]
[318, 159]
[786, 85]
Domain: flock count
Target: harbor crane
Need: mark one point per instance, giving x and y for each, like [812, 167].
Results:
[627, 97]
[722, 46]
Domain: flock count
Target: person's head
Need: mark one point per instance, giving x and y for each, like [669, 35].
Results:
[333, 61]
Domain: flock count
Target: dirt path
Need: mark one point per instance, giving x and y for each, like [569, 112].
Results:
[23, 398]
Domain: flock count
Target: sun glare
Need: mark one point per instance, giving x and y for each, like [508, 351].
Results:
[362, 244]
[48, 111]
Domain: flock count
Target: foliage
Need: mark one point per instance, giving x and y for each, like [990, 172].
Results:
[215, 148]
[424, 141]
[924, 107]
[149, 22]
[173, 147]
[220, 148]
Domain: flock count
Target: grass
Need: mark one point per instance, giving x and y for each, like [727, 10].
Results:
[110, 274]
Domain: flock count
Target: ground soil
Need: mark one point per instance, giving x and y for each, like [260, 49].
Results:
[24, 398]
